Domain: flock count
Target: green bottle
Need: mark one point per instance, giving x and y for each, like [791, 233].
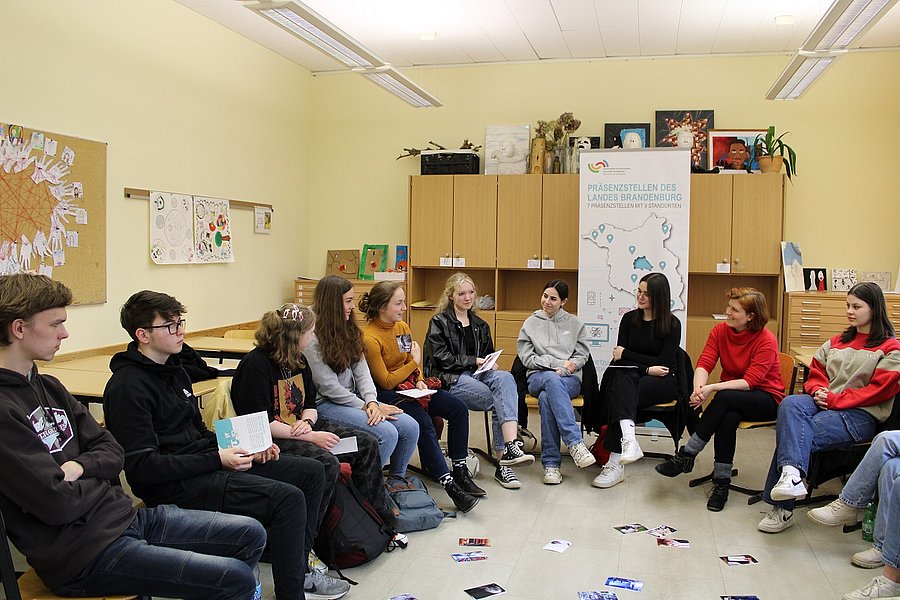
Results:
[868, 522]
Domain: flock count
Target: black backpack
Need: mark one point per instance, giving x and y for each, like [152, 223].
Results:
[352, 533]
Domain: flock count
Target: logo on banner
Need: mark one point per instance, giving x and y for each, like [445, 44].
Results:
[598, 166]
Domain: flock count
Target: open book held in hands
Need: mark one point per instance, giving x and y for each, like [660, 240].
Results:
[250, 432]
[489, 361]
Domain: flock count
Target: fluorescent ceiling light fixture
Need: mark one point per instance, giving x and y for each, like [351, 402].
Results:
[391, 80]
[844, 22]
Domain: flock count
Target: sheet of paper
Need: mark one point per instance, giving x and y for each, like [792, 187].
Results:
[416, 393]
[557, 545]
[250, 432]
[489, 361]
[345, 446]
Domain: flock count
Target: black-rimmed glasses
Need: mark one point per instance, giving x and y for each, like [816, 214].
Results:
[172, 328]
[291, 312]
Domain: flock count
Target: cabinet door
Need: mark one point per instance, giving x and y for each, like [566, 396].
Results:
[475, 219]
[430, 219]
[757, 226]
[711, 206]
[518, 220]
[559, 221]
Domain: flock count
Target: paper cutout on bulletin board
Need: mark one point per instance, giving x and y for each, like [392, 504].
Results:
[343, 263]
[374, 258]
[171, 228]
[212, 230]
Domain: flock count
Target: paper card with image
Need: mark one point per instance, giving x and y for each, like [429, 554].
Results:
[626, 584]
[468, 556]
[673, 543]
[249, 432]
[474, 541]
[601, 595]
[738, 559]
[662, 531]
[739, 597]
[488, 590]
[403, 597]
[557, 545]
[632, 528]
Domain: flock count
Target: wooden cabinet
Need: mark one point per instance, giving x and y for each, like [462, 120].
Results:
[812, 318]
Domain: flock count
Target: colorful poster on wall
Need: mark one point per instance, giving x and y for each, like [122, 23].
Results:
[171, 230]
[212, 230]
[634, 220]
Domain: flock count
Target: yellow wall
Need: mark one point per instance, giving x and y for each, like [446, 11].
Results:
[185, 106]
[841, 208]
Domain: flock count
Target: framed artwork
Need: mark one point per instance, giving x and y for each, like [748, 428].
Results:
[733, 149]
[842, 279]
[792, 261]
[882, 278]
[584, 142]
[506, 149]
[814, 280]
[401, 258]
[626, 135]
[374, 258]
[687, 129]
[343, 263]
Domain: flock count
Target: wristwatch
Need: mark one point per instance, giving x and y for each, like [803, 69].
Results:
[311, 424]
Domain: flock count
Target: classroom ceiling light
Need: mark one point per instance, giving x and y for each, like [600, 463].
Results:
[303, 22]
[843, 23]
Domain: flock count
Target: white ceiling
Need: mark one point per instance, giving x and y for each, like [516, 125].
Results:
[496, 31]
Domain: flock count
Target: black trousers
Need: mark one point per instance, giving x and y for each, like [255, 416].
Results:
[627, 392]
[726, 410]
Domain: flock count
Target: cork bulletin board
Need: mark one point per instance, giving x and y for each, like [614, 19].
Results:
[53, 208]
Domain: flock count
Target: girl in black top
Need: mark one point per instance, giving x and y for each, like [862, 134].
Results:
[642, 373]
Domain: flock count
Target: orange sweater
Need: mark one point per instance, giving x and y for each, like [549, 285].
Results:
[389, 361]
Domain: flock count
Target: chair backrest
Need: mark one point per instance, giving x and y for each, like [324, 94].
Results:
[788, 364]
[7, 569]
[219, 405]
[240, 334]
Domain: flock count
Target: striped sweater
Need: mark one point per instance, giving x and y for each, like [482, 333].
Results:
[856, 376]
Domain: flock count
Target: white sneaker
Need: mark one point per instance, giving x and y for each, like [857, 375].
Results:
[552, 476]
[776, 520]
[631, 451]
[868, 559]
[880, 587]
[834, 514]
[789, 487]
[583, 457]
[609, 476]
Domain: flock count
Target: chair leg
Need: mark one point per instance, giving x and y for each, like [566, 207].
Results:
[708, 477]
[487, 454]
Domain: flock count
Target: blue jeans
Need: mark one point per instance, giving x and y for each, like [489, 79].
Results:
[176, 553]
[880, 466]
[490, 390]
[555, 395]
[396, 438]
[887, 520]
[803, 428]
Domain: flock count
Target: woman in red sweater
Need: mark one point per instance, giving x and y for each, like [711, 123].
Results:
[750, 387]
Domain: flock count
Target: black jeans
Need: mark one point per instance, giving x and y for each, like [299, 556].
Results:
[628, 392]
[726, 410]
[283, 495]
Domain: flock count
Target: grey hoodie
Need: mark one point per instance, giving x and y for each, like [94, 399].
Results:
[546, 343]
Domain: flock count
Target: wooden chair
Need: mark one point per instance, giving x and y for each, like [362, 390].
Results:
[788, 378]
[240, 334]
[28, 585]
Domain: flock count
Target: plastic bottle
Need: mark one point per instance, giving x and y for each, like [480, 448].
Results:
[868, 522]
[257, 594]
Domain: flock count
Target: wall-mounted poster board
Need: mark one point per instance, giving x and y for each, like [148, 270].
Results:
[53, 209]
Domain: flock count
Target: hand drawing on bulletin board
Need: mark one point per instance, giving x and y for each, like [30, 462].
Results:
[212, 230]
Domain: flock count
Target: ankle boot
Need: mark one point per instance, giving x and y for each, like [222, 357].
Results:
[682, 462]
[464, 480]
[718, 495]
[463, 501]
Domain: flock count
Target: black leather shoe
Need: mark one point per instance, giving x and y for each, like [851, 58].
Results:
[463, 501]
[718, 496]
[464, 480]
[682, 462]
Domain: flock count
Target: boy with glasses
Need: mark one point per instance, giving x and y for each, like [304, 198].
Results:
[172, 458]
[59, 493]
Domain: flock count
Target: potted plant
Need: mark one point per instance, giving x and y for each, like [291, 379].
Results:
[772, 152]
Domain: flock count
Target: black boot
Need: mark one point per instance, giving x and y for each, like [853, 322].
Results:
[463, 501]
[718, 495]
[682, 462]
[464, 480]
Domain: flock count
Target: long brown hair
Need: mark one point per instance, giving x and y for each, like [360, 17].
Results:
[340, 340]
[881, 327]
[279, 333]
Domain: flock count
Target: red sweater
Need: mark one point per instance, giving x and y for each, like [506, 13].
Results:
[748, 355]
[856, 376]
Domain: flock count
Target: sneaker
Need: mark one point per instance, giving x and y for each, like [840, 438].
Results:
[583, 457]
[552, 476]
[880, 587]
[514, 455]
[506, 477]
[609, 476]
[319, 586]
[718, 495]
[834, 514]
[868, 559]
[682, 462]
[789, 487]
[776, 520]
[631, 451]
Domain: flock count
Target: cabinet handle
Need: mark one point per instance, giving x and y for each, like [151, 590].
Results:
[737, 261]
[457, 255]
[724, 260]
[808, 335]
[809, 302]
[546, 257]
[534, 257]
[807, 310]
[809, 327]
[808, 319]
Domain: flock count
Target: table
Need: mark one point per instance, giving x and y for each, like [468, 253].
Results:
[216, 347]
[99, 363]
[88, 386]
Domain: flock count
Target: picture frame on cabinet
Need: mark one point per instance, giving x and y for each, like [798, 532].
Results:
[842, 279]
[881, 278]
[506, 149]
[374, 258]
[729, 145]
[577, 143]
[685, 128]
[615, 134]
[792, 263]
[814, 280]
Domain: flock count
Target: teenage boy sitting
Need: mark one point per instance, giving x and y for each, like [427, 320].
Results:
[172, 458]
[59, 493]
